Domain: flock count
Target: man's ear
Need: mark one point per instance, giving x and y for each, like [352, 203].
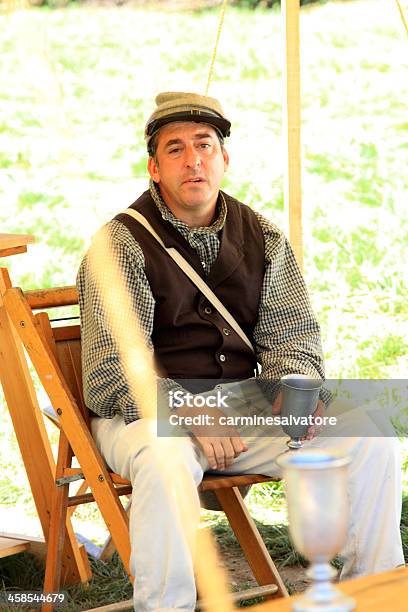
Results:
[153, 169]
[226, 158]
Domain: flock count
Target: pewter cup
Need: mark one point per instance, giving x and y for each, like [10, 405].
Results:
[318, 510]
[300, 394]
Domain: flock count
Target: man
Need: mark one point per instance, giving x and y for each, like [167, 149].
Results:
[248, 263]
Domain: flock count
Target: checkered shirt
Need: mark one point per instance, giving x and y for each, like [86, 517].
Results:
[286, 335]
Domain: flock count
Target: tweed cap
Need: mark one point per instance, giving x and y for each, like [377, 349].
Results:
[182, 106]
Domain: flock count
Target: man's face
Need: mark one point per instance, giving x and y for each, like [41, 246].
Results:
[189, 166]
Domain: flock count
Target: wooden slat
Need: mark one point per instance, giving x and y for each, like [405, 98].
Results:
[213, 482]
[9, 546]
[44, 323]
[69, 360]
[20, 537]
[54, 297]
[252, 593]
[119, 606]
[118, 480]
[87, 498]
[11, 241]
[68, 332]
[13, 251]
[72, 471]
[36, 545]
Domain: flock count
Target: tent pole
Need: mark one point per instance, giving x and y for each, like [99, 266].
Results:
[291, 124]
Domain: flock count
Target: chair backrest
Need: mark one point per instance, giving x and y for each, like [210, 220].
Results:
[64, 340]
[68, 351]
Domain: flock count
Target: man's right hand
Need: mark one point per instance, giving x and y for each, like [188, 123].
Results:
[222, 448]
[221, 451]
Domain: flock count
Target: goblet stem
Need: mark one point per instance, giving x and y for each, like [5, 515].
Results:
[321, 572]
[322, 596]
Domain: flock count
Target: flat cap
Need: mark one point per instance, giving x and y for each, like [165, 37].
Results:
[182, 106]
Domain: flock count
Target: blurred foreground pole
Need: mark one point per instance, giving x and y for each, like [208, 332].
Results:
[291, 124]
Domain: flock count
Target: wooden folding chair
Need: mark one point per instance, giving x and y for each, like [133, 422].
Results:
[55, 353]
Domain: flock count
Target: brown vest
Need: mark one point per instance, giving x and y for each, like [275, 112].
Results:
[190, 338]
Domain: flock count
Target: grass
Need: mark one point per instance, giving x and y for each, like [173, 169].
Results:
[78, 85]
[110, 583]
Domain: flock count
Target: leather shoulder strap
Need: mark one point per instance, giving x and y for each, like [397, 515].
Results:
[193, 276]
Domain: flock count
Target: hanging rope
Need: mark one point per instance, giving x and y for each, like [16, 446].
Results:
[404, 21]
[220, 24]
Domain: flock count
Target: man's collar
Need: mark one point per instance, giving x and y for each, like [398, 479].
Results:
[167, 215]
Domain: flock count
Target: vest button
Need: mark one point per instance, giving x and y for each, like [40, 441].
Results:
[226, 331]
[222, 357]
[207, 310]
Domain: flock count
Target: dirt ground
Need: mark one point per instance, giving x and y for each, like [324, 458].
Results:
[241, 575]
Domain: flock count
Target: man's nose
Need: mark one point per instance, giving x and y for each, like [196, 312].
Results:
[193, 159]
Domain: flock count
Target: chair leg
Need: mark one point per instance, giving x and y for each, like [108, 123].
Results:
[248, 536]
[58, 517]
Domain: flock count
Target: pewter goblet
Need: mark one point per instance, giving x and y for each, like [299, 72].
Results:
[316, 494]
[300, 394]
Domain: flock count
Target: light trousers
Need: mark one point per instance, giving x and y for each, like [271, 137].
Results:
[162, 536]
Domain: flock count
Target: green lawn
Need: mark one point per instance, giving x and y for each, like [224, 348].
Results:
[76, 86]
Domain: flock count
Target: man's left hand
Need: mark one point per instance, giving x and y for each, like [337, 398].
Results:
[312, 430]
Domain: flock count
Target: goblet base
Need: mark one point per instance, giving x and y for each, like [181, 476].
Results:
[294, 443]
[322, 596]
[339, 603]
